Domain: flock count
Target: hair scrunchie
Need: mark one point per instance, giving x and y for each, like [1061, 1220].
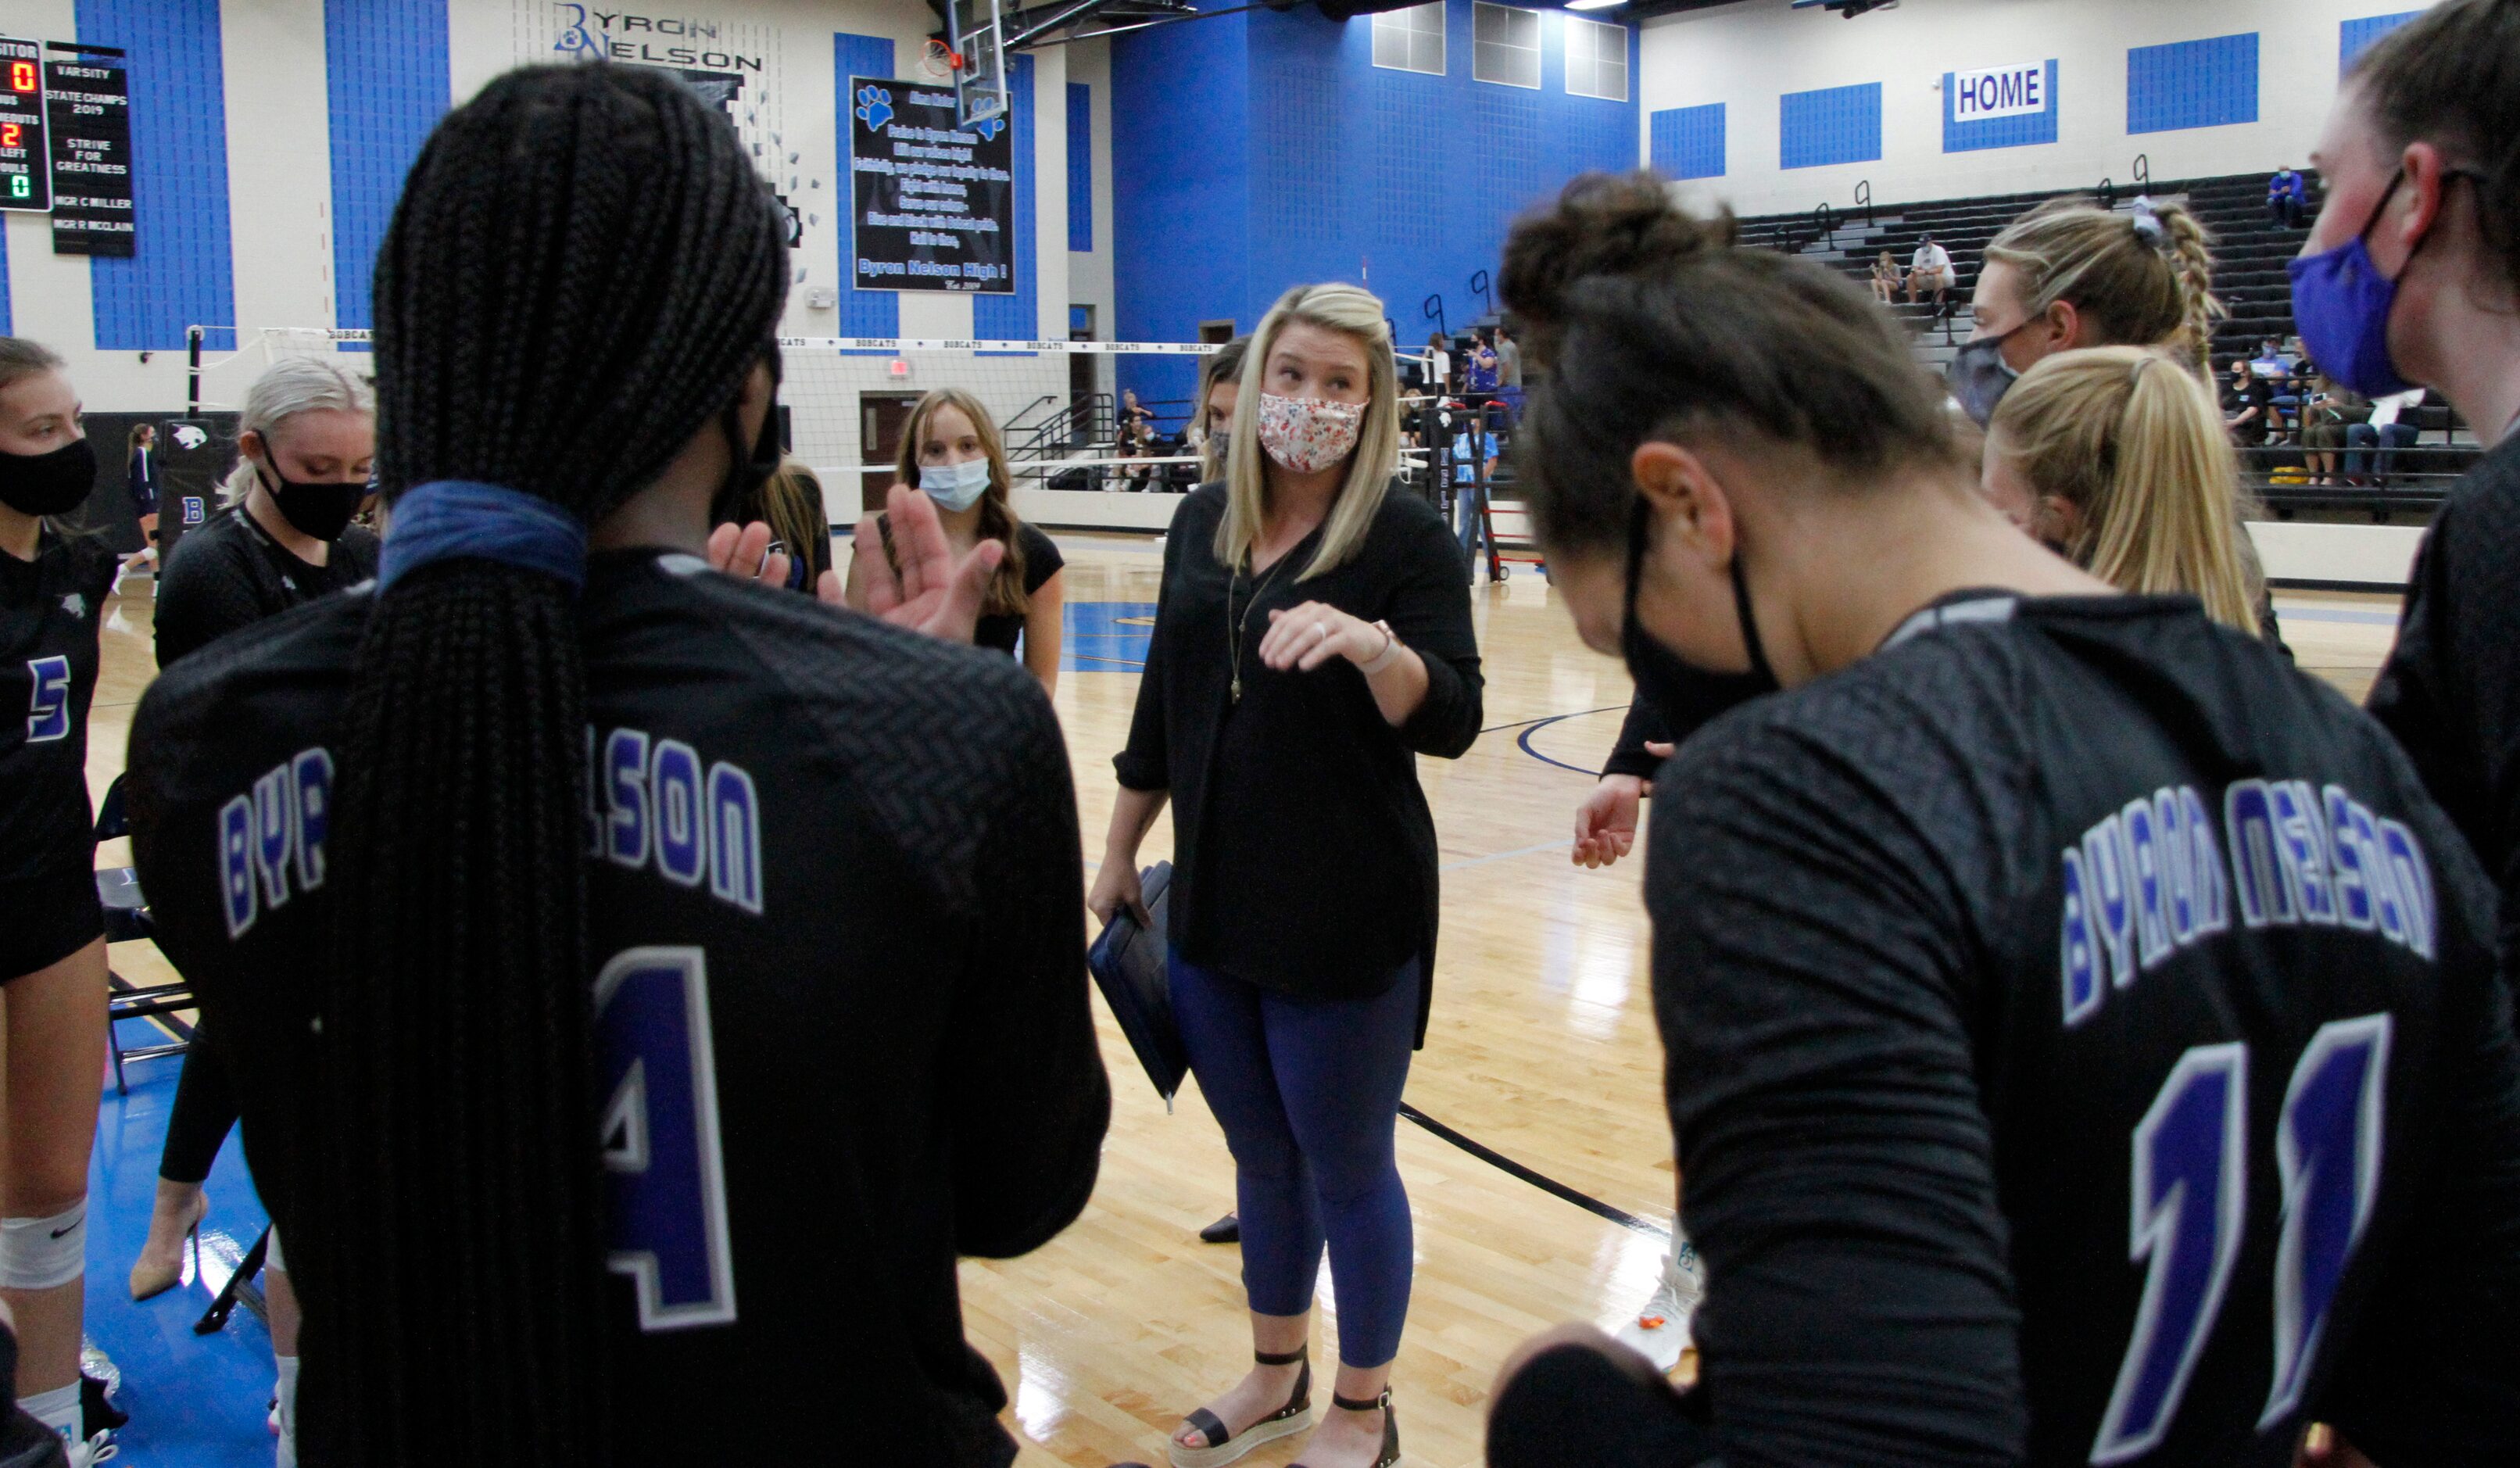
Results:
[457, 519]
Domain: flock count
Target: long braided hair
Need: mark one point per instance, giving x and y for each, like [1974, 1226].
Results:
[581, 272]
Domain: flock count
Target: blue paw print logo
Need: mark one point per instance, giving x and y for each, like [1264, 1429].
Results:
[989, 127]
[875, 107]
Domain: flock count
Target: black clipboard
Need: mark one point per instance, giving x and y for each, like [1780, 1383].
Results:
[1130, 966]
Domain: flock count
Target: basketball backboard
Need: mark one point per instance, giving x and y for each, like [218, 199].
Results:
[980, 78]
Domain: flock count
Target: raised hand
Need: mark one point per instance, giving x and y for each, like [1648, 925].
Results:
[920, 585]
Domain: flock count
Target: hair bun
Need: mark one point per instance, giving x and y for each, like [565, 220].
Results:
[1602, 225]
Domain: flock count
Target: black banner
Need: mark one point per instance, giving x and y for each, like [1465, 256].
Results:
[87, 95]
[933, 203]
[26, 166]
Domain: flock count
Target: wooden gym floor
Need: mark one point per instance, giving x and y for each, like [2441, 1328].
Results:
[1542, 1049]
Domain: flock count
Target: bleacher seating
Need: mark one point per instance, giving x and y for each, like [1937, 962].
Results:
[2250, 251]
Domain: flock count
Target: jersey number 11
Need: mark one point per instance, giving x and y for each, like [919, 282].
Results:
[2189, 1201]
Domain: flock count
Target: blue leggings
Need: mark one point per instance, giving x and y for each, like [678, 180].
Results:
[1308, 1093]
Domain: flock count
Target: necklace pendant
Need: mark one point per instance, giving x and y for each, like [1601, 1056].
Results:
[1237, 690]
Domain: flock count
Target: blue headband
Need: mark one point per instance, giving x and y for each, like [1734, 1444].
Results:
[450, 519]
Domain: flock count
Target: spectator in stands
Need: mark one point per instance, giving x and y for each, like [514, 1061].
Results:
[2070, 275]
[1439, 364]
[1481, 369]
[2287, 197]
[1473, 468]
[2327, 410]
[2252, 408]
[2387, 429]
[2115, 458]
[1930, 270]
[2284, 392]
[1886, 278]
[1133, 413]
[1510, 374]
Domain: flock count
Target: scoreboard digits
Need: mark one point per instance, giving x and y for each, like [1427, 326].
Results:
[25, 156]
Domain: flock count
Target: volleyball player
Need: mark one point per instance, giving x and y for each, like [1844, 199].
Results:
[2411, 275]
[2085, 1044]
[952, 452]
[2063, 276]
[2116, 458]
[1303, 904]
[54, 579]
[140, 478]
[1220, 388]
[645, 983]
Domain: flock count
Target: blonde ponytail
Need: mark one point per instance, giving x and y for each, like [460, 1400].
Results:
[2133, 442]
[2141, 278]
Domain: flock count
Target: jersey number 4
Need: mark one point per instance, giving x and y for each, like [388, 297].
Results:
[2189, 1197]
[48, 704]
[666, 1205]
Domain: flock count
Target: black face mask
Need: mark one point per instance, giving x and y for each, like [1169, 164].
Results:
[749, 465]
[1686, 695]
[1979, 375]
[54, 483]
[318, 508]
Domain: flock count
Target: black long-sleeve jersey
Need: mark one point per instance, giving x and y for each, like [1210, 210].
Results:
[832, 882]
[2085, 1045]
[50, 612]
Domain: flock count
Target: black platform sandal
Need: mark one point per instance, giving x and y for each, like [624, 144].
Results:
[1224, 1446]
[1389, 1457]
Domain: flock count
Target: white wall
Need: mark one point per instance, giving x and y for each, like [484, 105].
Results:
[1747, 55]
[280, 186]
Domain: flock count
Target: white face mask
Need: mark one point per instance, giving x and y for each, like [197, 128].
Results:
[955, 486]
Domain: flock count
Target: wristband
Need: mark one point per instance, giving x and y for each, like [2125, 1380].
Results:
[1382, 660]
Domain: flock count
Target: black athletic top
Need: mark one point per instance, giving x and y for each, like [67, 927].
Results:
[2084, 1047]
[49, 611]
[228, 572]
[855, 848]
[1042, 561]
[2450, 691]
[1303, 851]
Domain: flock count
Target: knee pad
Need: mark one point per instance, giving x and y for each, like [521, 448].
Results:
[42, 1254]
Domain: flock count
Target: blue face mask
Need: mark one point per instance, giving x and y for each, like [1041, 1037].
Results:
[2341, 302]
[954, 486]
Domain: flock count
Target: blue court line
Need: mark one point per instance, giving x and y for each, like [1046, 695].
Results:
[1536, 725]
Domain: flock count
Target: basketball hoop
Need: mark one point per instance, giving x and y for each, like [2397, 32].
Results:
[938, 59]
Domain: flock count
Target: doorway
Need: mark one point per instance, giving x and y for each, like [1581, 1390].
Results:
[882, 416]
[1084, 378]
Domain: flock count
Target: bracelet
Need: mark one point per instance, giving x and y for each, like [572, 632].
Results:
[1382, 660]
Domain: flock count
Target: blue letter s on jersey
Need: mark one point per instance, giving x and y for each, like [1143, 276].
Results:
[665, 1200]
[48, 703]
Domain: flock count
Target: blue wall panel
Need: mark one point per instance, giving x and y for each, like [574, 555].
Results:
[385, 64]
[183, 274]
[863, 313]
[1997, 132]
[2354, 35]
[1688, 140]
[1310, 164]
[7, 324]
[1018, 316]
[1080, 166]
[1831, 125]
[2207, 83]
[1180, 227]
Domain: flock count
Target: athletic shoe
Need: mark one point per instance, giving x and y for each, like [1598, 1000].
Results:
[1661, 1331]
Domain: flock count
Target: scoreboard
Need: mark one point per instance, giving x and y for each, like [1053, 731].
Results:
[25, 154]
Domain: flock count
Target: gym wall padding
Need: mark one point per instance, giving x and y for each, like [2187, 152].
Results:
[385, 64]
[1829, 125]
[1688, 140]
[2207, 83]
[183, 274]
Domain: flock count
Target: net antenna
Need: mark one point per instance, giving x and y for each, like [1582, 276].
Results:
[979, 52]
